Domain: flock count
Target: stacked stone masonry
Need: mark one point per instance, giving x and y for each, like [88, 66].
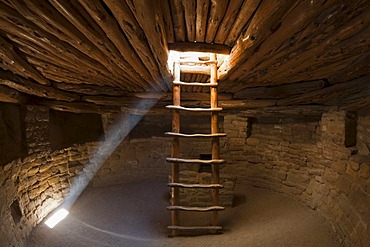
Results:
[310, 162]
[307, 160]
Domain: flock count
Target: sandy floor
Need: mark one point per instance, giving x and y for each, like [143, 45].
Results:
[134, 215]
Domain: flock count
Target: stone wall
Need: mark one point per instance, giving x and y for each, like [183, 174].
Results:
[32, 186]
[203, 197]
[310, 161]
[313, 161]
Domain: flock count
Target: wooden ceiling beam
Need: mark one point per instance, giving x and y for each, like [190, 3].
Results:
[87, 89]
[199, 47]
[216, 12]
[149, 15]
[190, 16]
[298, 18]
[267, 17]
[280, 91]
[332, 95]
[135, 35]
[9, 95]
[178, 19]
[113, 31]
[167, 19]
[79, 17]
[25, 86]
[307, 49]
[228, 21]
[14, 62]
[244, 15]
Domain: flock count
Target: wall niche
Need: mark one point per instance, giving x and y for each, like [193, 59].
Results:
[68, 128]
[11, 133]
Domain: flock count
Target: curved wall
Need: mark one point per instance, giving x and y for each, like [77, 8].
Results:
[307, 160]
[310, 162]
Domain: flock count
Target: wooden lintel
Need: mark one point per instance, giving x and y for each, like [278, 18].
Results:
[199, 47]
[76, 107]
[9, 95]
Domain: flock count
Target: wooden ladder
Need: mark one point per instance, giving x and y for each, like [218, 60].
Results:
[196, 67]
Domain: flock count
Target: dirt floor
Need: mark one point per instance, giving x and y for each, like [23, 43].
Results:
[134, 215]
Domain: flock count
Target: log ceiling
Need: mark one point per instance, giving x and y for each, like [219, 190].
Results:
[90, 55]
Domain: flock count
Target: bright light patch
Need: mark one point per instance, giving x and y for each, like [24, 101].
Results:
[57, 217]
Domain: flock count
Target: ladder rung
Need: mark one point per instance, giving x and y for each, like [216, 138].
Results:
[198, 209]
[196, 135]
[195, 161]
[199, 84]
[196, 186]
[195, 69]
[184, 61]
[194, 227]
[174, 107]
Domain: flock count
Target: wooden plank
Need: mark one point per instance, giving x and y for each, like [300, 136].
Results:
[49, 19]
[9, 95]
[228, 21]
[14, 62]
[297, 19]
[242, 104]
[199, 84]
[194, 109]
[201, 20]
[25, 86]
[197, 209]
[280, 91]
[135, 34]
[244, 15]
[195, 186]
[178, 20]
[267, 17]
[189, 13]
[76, 107]
[167, 19]
[23, 32]
[89, 89]
[310, 44]
[199, 47]
[195, 161]
[113, 31]
[194, 69]
[191, 228]
[79, 17]
[148, 14]
[214, 135]
[216, 13]
[336, 93]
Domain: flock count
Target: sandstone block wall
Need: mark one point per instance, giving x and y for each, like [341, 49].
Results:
[203, 197]
[313, 161]
[310, 161]
[34, 185]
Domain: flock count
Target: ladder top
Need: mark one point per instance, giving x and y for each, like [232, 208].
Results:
[189, 61]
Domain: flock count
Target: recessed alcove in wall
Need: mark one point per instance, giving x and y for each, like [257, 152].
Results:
[68, 128]
[350, 129]
[11, 133]
[16, 211]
